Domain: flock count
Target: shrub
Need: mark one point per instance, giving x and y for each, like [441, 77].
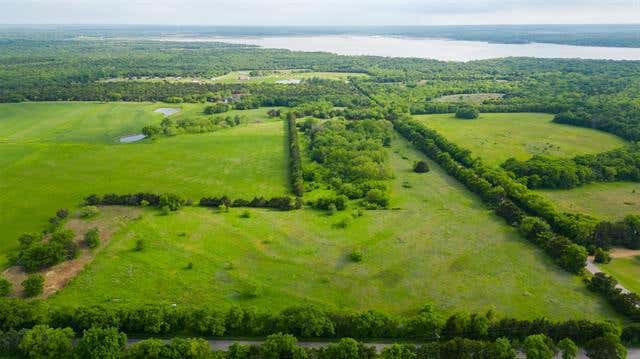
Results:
[62, 213]
[92, 238]
[602, 256]
[33, 285]
[139, 245]
[467, 113]
[539, 346]
[569, 348]
[377, 199]
[356, 256]
[245, 214]
[421, 167]
[217, 108]
[89, 211]
[5, 287]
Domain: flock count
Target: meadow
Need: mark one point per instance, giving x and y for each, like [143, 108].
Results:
[495, 137]
[266, 76]
[450, 251]
[609, 201]
[55, 154]
[626, 270]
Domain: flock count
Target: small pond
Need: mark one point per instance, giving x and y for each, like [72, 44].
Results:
[167, 111]
[132, 138]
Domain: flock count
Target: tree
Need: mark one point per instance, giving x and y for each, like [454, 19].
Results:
[5, 287]
[467, 113]
[281, 346]
[306, 321]
[398, 351]
[33, 285]
[92, 238]
[151, 131]
[98, 343]
[607, 347]
[602, 256]
[41, 341]
[538, 346]
[573, 257]
[421, 167]
[569, 348]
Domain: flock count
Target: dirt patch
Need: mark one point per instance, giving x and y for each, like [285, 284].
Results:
[624, 252]
[109, 221]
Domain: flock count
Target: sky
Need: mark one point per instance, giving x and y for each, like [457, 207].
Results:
[319, 12]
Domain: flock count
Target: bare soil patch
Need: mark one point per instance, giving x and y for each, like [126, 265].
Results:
[109, 221]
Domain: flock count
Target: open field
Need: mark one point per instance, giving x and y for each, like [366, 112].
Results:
[266, 76]
[495, 137]
[625, 270]
[450, 250]
[44, 169]
[474, 98]
[610, 201]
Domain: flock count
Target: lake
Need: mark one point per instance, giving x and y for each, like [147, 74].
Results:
[430, 48]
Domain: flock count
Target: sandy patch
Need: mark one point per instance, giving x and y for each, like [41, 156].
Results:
[109, 221]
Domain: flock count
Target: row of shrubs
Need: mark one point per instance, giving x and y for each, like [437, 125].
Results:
[459, 164]
[284, 203]
[170, 201]
[107, 343]
[295, 161]
[303, 321]
[625, 303]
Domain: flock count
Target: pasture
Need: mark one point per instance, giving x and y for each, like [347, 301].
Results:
[608, 201]
[450, 251]
[55, 154]
[625, 270]
[495, 137]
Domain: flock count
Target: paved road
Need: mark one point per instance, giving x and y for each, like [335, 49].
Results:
[224, 344]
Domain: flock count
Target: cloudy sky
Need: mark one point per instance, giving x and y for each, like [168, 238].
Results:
[318, 12]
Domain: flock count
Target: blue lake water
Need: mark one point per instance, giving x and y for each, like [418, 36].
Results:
[430, 48]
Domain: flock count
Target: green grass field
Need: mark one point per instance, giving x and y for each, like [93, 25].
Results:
[441, 246]
[268, 76]
[610, 201]
[54, 154]
[626, 271]
[495, 137]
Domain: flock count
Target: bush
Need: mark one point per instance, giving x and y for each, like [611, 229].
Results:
[421, 167]
[245, 214]
[5, 287]
[377, 198]
[62, 213]
[602, 256]
[217, 108]
[33, 285]
[467, 113]
[356, 256]
[92, 238]
[139, 245]
[89, 211]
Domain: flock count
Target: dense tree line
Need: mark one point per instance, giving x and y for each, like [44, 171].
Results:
[170, 201]
[621, 164]
[351, 157]
[302, 321]
[295, 160]
[170, 127]
[284, 203]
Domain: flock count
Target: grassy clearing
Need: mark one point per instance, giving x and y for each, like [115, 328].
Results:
[626, 271]
[440, 245]
[44, 169]
[495, 137]
[266, 76]
[610, 201]
[474, 98]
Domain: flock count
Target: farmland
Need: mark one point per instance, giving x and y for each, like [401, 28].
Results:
[302, 256]
[57, 169]
[495, 137]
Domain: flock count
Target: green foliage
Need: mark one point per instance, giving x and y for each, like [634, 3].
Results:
[217, 108]
[99, 343]
[356, 256]
[539, 346]
[44, 342]
[139, 245]
[607, 347]
[89, 211]
[92, 238]
[421, 167]
[33, 285]
[569, 348]
[277, 346]
[5, 287]
[602, 256]
[467, 113]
